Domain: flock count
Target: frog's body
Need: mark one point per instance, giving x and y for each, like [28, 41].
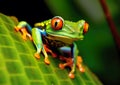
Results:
[57, 37]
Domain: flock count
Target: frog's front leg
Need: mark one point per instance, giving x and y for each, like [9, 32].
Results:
[37, 39]
[25, 29]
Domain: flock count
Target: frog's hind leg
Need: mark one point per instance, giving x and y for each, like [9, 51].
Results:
[73, 61]
[77, 61]
[25, 29]
[68, 63]
[49, 51]
[70, 60]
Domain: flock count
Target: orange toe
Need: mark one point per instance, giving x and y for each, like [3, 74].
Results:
[71, 75]
[31, 38]
[47, 61]
[61, 66]
[24, 37]
[79, 59]
[37, 55]
[82, 69]
[16, 28]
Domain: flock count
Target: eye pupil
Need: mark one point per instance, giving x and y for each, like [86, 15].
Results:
[57, 23]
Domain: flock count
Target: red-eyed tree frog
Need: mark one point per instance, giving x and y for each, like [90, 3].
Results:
[57, 37]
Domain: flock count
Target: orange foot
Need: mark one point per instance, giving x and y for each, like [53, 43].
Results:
[24, 32]
[61, 66]
[82, 69]
[47, 61]
[16, 28]
[71, 75]
[29, 36]
[37, 56]
[24, 37]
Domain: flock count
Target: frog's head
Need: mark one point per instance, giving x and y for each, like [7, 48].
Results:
[66, 31]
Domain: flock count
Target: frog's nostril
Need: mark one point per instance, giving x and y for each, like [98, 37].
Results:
[85, 27]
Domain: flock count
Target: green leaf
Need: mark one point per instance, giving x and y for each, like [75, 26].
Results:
[19, 67]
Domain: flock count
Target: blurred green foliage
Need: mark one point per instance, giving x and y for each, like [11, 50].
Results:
[98, 49]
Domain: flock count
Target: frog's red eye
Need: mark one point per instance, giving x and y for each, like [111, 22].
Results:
[85, 27]
[57, 23]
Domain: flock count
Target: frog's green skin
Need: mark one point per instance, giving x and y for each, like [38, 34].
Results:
[58, 41]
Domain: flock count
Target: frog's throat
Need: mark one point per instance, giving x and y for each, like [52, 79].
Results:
[64, 39]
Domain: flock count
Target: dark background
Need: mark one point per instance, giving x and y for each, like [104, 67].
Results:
[32, 11]
[98, 49]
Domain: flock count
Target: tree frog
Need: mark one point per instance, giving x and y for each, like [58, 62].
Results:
[57, 37]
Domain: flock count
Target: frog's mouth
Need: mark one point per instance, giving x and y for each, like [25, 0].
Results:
[65, 39]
